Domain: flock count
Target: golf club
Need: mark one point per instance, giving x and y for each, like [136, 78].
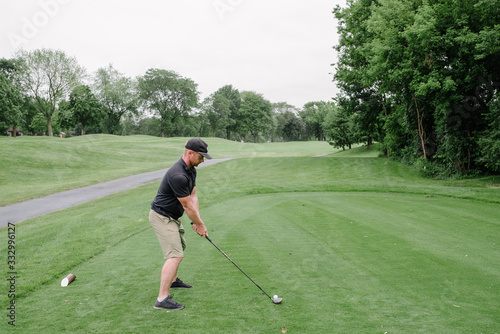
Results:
[275, 299]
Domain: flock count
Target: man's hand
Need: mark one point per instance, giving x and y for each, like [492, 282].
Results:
[200, 229]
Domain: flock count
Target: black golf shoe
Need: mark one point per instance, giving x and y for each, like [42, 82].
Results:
[168, 304]
[178, 284]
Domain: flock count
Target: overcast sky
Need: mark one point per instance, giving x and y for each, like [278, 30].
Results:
[281, 49]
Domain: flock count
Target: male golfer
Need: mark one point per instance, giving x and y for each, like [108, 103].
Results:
[176, 195]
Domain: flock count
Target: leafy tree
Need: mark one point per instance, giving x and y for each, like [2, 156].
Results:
[16, 109]
[314, 114]
[190, 125]
[288, 125]
[30, 110]
[150, 126]
[294, 128]
[426, 69]
[83, 108]
[10, 104]
[254, 115]
[201, 124]
[398, 139]
[168, 95]
[217, 112]
[117, 94]
[8, 66]
[233, 97]
[38, 124]
[48, 76]
[65, 116]
[362, 98]
[11, 100]
[490, 140]
[339, 128]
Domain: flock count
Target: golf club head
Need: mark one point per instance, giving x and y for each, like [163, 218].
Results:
[277, 300]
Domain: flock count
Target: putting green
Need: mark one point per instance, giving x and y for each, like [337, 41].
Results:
[343, 262]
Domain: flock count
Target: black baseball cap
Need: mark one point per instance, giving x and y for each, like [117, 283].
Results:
[198, 145]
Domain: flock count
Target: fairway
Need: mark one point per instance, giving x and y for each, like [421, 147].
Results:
[352, 242]
[361, 262]
[39, 166]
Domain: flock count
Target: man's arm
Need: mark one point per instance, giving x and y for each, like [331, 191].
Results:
[190, 205]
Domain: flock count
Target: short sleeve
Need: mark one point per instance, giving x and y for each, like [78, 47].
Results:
[180, 185]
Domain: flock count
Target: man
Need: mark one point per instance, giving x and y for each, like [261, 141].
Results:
[176, 195]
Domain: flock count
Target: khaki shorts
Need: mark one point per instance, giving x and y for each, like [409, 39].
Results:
[170, 233]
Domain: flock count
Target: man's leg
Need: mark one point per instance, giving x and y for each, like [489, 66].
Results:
[168, 274]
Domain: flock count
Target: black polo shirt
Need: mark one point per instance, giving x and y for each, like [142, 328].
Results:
[178, 182]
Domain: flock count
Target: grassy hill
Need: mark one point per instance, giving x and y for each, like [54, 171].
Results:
[36, 166]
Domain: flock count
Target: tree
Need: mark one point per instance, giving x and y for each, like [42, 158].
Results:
[339, 128]
[361, 97]
[425, 69]
[314, 114]
[11, 99]
[294, 128]
[30, 110]
[117, 94]
[490, 140]
[168, 95]
[217, 112]
[191, 125]
[48, 76]
[38, 124]
[233, 97]
[201, 125]
[150, 126]
[83, 108]
[288, 125]
[254, 115]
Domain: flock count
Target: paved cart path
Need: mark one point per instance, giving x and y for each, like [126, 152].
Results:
[35, 207]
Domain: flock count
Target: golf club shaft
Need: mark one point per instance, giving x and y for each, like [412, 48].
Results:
[220, 250]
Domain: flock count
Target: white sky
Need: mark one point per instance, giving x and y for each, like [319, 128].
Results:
[281, 49]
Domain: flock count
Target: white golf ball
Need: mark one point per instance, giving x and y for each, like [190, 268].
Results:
[275, 296]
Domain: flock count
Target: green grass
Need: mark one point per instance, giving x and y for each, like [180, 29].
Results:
[359, 151]
[353, 243]
[32, 167]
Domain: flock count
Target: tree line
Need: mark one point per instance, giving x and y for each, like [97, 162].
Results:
[47, 92]
[422, 78]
